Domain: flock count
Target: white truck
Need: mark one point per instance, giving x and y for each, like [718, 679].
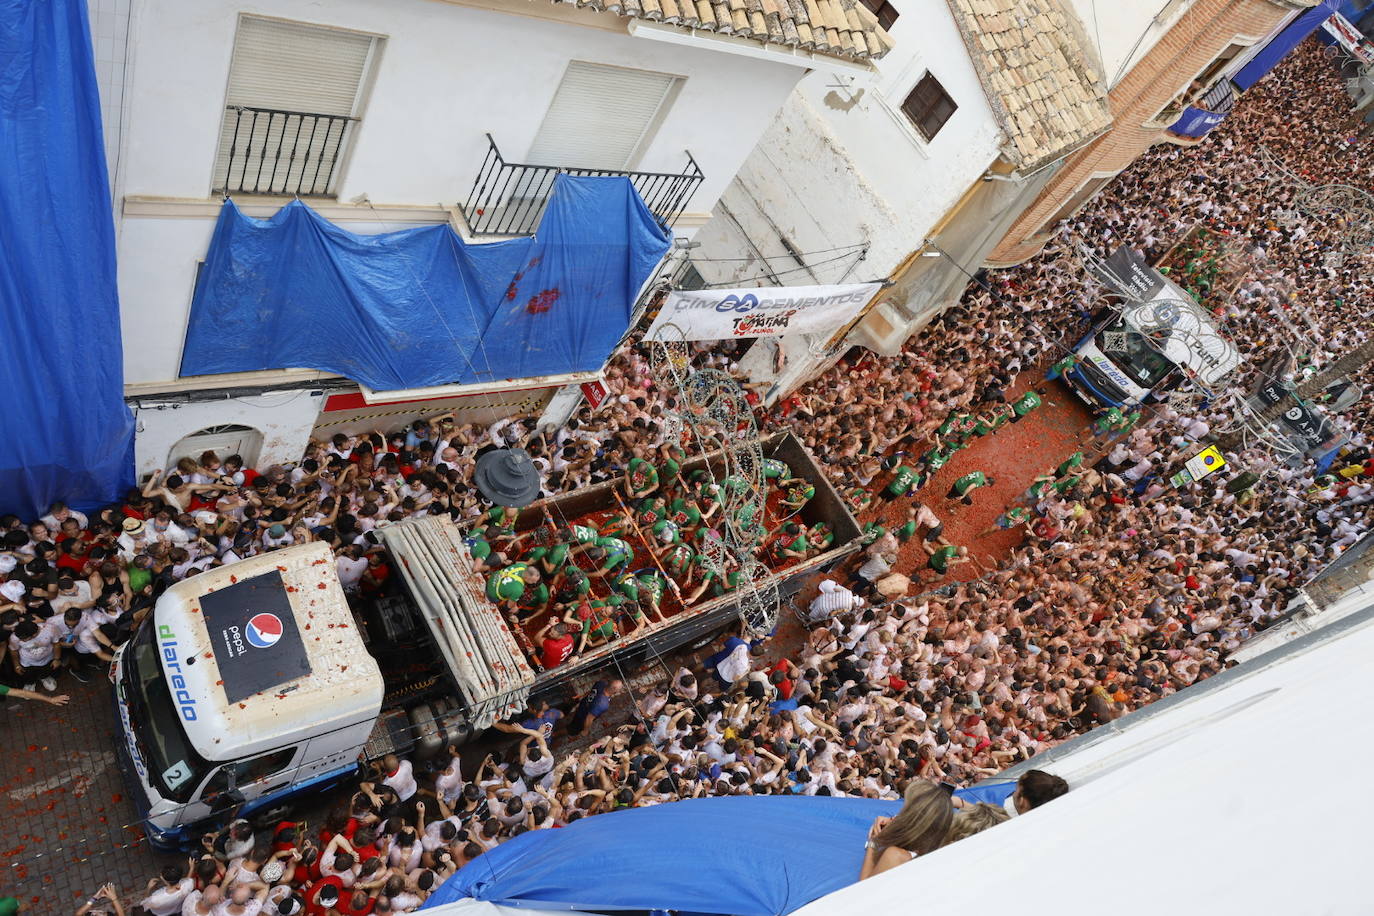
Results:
[254, 684]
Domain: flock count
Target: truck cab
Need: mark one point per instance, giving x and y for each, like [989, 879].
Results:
[248, 685]
[1150, 346]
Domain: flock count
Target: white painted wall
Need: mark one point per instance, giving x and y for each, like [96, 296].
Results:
[284, 419]
[842, 165]
[110, 24]
[447, 75]
[1121, 32]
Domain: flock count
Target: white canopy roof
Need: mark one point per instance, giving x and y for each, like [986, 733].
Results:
[1245, 799]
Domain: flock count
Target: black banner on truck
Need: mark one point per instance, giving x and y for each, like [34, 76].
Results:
[1303, 424]
[254, 636]
[1126, 271]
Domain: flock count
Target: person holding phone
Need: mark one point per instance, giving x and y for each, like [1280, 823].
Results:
[104, 902]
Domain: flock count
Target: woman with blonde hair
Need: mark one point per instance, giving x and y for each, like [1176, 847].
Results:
[975, 819]
[919, 828]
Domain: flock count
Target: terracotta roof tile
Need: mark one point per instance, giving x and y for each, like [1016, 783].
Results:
[1043, 88]
[841, 28]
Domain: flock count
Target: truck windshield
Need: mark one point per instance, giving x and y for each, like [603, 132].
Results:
[173, 765]
[1132, 354]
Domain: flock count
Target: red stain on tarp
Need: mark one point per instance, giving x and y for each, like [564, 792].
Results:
[541, 302]
[514, 289]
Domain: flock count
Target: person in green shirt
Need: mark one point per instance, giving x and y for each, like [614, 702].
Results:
[1040, 487]
[503, 517]
[859, 499]
[140, 576]
[942, 557]
[652, 585]
[507, 585]
[596, 621]
[822, 536]
[938, 456]
[798, 494]
[678, 559]
[791, 545]
[549, 560]
[641, 477]
[908, 528]
[667, 532]
[1108, 420]
[904, 482]
[684, 511]
[871, 532]
[649, 512]
[1070, 463]
[1062, 367]
[670, 463]
[575, 585]
[1012, 518]
[612, 553]
[1024, 405]
[773, 469]
[18, 694]
[965, 485]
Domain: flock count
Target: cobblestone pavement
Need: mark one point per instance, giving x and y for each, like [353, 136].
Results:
[68, 822]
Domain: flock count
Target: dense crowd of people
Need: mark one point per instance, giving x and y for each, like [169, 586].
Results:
[1124, 589]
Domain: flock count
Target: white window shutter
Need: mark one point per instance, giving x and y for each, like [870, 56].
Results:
[600, 116]
[290, 67]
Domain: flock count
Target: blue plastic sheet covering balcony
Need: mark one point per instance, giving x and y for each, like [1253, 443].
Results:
[65, 432]
[421, 307]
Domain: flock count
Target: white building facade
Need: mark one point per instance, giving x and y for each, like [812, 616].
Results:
[387, 116]
[909, 174]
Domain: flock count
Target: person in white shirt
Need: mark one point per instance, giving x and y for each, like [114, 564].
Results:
[59, 512]
[399, 776]
[351, 564]
[166, 893]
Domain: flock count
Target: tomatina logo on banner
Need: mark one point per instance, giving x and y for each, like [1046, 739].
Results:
[717, 314]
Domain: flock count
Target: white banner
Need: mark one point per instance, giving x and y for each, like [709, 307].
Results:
[1339, 28]
[717, 314]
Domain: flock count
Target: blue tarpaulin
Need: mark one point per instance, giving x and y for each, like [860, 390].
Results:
[421, 307]
[65, 432]
[746, 855]
[1282, 43]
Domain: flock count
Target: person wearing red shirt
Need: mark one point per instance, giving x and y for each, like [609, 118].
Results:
[357, 903]
[557, 644]
[323, 895]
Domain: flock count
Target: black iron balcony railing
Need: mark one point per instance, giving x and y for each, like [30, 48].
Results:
[270, 151]
[508, 198]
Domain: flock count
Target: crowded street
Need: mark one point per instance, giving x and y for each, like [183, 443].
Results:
[964, 563]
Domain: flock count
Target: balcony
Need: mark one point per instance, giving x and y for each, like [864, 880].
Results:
[270, 151]
[508, 198]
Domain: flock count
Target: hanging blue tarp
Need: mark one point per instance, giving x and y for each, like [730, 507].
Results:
[422, 307]
[65, 432]
[1282, 43]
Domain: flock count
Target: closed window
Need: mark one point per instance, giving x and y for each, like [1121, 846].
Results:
[929, 106]
[292, 108]
[886, 12]
[601, 117]
[247, 772]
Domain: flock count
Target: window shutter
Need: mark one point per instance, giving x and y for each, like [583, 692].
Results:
[600, 117]
[290, 66]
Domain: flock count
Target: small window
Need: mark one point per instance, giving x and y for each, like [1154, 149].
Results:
[293, 105]
[886, 12]
[929, 106]
[601, 117]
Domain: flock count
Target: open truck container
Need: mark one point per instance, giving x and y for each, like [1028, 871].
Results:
[253, 684]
